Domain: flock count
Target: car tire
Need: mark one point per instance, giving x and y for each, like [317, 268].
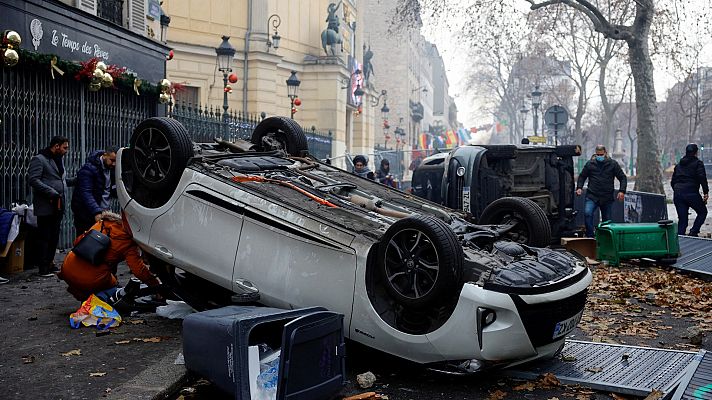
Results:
[276, 133]
[420, 262]
[533, 228]
[160, 150]
[501, 152]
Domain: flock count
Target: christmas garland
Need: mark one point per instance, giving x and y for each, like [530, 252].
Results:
[84, 72]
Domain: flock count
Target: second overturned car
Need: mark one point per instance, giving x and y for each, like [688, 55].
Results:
[223, 221]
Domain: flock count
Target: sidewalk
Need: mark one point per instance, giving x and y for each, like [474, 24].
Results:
[133, 361]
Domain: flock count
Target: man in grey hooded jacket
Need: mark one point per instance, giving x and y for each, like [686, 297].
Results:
[47, 178]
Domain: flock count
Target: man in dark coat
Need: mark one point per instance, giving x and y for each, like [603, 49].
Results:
[600, 171]
[687, 177]
[48, 181]
[92, 188]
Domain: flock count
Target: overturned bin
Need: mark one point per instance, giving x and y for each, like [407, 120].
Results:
[220, 345]
[659, 241]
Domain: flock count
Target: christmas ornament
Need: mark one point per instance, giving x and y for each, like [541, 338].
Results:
[12, 38]
[232, 78]
[227, 89]
[170, 55]
[93, 87]
[107, 81]
[10, 58]
[164, 98]
[98, 74]
[297, 102]
[294, 110]
[164, 85]
[101, 66]
[54, 67]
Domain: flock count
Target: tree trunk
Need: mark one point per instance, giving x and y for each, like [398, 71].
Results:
[649, 176]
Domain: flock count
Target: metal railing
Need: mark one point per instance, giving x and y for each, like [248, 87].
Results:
[204, 124]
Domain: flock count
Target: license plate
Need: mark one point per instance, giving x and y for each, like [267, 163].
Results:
[466, 199]
[567, 325]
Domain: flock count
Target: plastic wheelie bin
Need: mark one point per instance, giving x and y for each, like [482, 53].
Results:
[311, 363]
[659, 241]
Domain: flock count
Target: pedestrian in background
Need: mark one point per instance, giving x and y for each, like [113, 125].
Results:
[93, 188]
[361, 167]
[687, 177]
[383, 175]
[47, 178]
[600, 171]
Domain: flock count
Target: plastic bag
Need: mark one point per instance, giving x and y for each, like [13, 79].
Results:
[95, 312]
[174, 310]
[269, 374]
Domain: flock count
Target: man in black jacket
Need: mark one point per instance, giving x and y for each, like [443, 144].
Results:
[48, 181]
[688, 176]
[93, 188]
[600, 171]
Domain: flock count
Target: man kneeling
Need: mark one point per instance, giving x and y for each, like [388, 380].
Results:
[85, 279]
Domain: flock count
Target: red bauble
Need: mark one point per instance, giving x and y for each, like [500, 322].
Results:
[360, 109]
[170, 55]
[227, 90]
[294, 110]
[297, 102]
[232, 78]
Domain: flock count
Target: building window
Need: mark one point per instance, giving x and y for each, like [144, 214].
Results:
[111, 10]
[190, 95]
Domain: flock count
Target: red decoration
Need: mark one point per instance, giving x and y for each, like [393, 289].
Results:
[360, 109]
[170, 55]
[388, 137]
[294, 110]
[385, 125]
[227, 89]
[297, 102]
[88, 67]
[232, 78]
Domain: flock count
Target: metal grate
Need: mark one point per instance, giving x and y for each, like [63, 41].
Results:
[695, 255]
[697, 382]
[623, 369]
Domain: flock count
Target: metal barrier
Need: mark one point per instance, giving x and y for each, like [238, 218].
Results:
[205, 124]
[35, 107]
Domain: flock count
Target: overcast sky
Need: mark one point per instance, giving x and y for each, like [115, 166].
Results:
[456, 65]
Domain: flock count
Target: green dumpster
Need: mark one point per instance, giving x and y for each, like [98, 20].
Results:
[615, 242]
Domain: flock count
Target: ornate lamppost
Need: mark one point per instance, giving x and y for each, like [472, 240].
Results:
[292, 87]
[275, 21]
[536, 102]
[225, 53]
[524, 112]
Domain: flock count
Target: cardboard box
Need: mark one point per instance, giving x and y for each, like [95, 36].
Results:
[14, 261]
[584, 246]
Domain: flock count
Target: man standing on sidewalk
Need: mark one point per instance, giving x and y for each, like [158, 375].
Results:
[92, 188]
[687, 177]
[600, 171]
[47, 178]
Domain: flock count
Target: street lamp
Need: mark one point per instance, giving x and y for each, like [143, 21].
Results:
[275, 21]
[377, 99]
[524, 112]
[292, 87]
[384, 116]
[225, 53]
[536, 102]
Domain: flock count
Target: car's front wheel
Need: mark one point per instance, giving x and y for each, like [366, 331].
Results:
[420, 261]
[529, 224]
[280, 133]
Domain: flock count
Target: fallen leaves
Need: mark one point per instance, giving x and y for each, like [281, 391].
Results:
[654, 395]
[28, 359]
[367, 396]
[497, 395]
[94, 374]
[155, 339]
[122, 342]
[75, 352]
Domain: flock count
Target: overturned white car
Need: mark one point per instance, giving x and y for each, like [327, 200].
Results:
[222, 221]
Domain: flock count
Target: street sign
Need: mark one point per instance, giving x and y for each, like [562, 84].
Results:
[537, 139]
[556, 117]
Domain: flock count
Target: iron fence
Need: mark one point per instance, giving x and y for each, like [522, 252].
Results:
[35, 107]
[204, 124]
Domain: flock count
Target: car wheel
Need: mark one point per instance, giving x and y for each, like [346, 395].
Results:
[531, 226]
[160, 150]
[280, 133]
[420, 261]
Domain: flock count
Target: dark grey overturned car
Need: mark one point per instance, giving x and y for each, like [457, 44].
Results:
[222, 221]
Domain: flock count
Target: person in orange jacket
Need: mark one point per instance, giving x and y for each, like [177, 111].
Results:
[85, 279]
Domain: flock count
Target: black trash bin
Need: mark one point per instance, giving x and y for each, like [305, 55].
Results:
[312, 365]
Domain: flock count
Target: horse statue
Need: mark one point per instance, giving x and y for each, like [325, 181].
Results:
[330, 38]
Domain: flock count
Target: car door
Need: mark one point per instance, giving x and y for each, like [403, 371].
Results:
[199, 234]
